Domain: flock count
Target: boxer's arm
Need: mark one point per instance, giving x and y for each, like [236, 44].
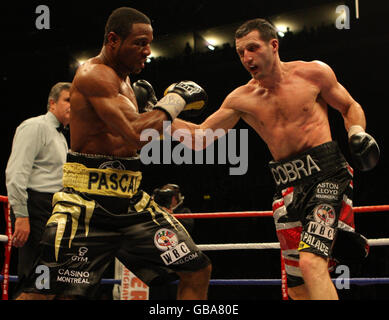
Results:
[363, 147]
[339, 98]
[100, 86]
[215, 126]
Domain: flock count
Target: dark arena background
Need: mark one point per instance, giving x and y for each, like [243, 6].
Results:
[195, 40]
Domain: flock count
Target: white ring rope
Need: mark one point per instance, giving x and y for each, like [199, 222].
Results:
[248, 246]
[270, 245]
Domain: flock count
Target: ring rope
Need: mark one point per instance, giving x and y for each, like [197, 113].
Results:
[246, 214]
[270, 245]
[251, 282]
[244, 246]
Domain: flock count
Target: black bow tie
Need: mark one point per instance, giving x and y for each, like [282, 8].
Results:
[62, 128]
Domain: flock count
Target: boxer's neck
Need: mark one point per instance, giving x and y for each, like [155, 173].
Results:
[107, 57]
[275, 76]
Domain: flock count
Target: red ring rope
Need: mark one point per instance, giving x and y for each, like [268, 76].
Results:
[242, 214]
[246, 214]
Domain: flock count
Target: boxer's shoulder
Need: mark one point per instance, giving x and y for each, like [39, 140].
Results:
[94, 78]
[235, 97]
[314, 71]
[243, 90]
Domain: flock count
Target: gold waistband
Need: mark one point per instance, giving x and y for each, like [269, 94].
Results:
[105, 182]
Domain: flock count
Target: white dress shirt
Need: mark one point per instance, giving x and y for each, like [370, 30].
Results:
[36, 160]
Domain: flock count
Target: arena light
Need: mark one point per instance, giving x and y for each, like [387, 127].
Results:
[156, 52]
[282, 29]
[81, 61]
[357, 9]
[150, 58]
[212, 43]
[211, 47]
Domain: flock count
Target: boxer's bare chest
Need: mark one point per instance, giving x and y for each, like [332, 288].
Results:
[294, 100]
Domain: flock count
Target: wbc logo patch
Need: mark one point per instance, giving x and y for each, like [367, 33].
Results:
[165, 239]
[324, 214]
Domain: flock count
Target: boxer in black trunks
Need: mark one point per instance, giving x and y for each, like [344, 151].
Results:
[286, 104]
[312, 207]
[101, 212]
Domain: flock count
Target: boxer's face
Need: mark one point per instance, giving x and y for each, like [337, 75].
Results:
[256, 55]
[133, 51]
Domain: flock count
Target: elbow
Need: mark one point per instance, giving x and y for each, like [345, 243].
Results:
[354, 115]
[137, 141]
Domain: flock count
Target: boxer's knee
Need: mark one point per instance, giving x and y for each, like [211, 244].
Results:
[194, 285]
[298, 293]
[312, 266]
[199, 277]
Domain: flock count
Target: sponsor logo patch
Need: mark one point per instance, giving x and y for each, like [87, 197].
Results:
[327, 190]
[175, 254]
[112, 165]
[321, 230]
[324, 214]
[310, 241]
[81, 257]
[165, 239]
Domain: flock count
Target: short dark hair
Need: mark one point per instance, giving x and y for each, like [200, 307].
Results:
[121, 20]
[266, 29]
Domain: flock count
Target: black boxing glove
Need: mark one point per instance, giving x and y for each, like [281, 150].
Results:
[145, 95]
[185, 95]
[364, 149]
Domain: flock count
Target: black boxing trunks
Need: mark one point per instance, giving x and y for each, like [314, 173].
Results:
[101, 214]
[312, 209]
